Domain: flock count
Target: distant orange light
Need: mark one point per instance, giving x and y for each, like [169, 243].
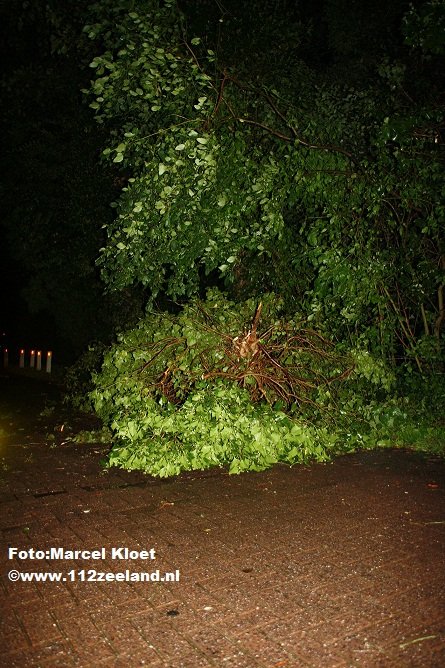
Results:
[22, 352]
[38, 353]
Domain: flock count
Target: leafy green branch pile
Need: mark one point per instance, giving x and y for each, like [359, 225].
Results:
[204, 388]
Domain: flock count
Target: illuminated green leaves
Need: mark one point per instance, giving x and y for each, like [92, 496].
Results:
[315, 195]
[190, 421]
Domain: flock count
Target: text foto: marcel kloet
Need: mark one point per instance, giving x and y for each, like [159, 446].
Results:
[99, 553]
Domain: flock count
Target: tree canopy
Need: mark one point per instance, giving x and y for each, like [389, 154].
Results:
[246, 162]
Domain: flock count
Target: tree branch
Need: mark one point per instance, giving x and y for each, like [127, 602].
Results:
[279, 114]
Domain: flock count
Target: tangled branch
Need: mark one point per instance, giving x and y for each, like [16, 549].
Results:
[279, 364]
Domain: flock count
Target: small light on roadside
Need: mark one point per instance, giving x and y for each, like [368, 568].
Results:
[48, 361]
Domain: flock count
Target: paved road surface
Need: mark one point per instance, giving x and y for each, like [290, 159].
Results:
[331, 565]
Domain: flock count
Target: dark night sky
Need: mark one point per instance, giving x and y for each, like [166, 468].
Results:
[25, 46]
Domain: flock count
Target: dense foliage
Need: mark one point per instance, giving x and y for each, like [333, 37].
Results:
[270, 147]
[279, 177]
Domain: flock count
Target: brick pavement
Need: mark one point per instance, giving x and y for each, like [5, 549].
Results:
[329, 565]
